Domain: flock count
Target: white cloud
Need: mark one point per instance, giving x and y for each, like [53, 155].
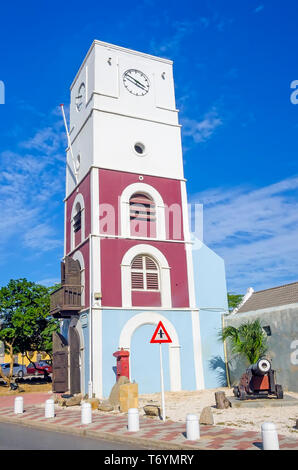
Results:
[256, 232]
[202, 130]
[47, 141]
[259, 8]
[172, 44]
[41, 237]
[49, 282]
[31, 182]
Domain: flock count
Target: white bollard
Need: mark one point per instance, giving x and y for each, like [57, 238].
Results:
[269, 437]
[49, 408]
[133, 420]
[192, 427]
[19, 405]
[86, 414]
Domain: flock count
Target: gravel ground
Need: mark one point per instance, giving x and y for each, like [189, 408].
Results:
[179, 404]
[26, 387]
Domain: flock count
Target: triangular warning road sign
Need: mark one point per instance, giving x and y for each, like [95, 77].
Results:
[160, 335]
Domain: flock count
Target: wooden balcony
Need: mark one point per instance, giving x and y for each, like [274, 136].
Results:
[66, 301]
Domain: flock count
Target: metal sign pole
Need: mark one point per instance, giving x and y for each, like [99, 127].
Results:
[160, 336]
[162, 386]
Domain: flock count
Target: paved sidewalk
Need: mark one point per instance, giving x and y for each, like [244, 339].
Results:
[153, 434]
[34, 398]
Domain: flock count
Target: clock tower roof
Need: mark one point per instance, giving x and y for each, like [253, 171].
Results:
[120, 49]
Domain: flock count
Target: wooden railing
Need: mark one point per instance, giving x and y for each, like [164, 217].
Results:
[66, 300]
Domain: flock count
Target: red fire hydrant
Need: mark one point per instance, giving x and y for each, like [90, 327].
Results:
[122, 357]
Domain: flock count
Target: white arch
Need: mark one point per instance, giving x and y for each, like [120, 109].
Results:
[159, 207]
[77, 256]
[78, 199]
[153, 318]
[165, 280]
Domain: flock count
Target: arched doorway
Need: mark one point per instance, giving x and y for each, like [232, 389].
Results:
[145, 361]
[153, 318]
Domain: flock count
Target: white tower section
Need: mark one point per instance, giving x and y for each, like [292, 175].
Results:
[113, 107]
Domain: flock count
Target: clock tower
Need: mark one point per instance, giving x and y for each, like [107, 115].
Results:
[119, 99]
[127, 237]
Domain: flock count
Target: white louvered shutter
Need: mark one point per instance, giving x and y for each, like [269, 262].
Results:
[144, 273]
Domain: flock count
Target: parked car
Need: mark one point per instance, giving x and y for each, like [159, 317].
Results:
[46, 365]
[40, 368]
[18, 369]
[48, 362]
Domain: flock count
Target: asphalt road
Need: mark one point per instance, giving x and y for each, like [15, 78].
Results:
[15, 437]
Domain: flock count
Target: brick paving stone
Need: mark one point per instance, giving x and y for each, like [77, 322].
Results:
[70, 423]
[114, 429]
[213, 446]
[99, 428]
[150, 434]
[289, 445]
[244, 445]
[173, 434]
[167, 438]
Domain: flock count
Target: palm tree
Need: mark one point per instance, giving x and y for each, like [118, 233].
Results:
[248, 339]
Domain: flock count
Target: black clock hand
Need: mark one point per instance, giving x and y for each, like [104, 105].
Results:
[139, 83]
[136, 82]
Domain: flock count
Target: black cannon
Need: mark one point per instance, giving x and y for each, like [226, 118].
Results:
[258, 382]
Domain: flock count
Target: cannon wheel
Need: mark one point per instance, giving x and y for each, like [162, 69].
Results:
[236, 391]
[242, 394]
[279, 392]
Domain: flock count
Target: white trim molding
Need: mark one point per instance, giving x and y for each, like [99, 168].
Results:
[95, 272]
[94, 198]
[153, 318]
[78, 199]
[164, 270]
[77, 256]
[159, 206]
[247, 296]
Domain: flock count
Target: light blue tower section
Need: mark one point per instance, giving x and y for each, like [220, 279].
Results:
[211, 298]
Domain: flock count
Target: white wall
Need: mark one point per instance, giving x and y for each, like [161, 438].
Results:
[114, 139]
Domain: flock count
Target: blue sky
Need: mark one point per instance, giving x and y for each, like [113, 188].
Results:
[233, 66]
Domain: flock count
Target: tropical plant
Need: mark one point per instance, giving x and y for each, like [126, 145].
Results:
[234, 300]
[249, 340]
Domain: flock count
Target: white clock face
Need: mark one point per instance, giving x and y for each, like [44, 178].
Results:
[80, 97]
[136, 82]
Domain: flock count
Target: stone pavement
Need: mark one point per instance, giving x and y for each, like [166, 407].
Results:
[34, 398]
[153, 434]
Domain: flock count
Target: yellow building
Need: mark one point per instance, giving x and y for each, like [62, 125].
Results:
[20, 358]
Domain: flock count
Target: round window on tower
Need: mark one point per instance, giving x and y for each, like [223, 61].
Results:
[140, 149]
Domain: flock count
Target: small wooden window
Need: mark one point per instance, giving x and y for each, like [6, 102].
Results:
[77, 221]
[144, 274]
